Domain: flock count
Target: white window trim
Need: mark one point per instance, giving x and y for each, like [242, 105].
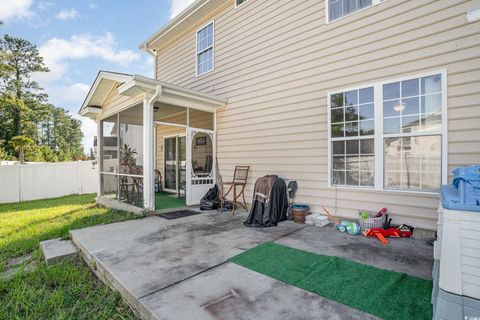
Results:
[238, 5]
[327, 11]
[379, 135]
[213, 49]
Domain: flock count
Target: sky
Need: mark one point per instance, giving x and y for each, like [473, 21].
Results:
[77, 38]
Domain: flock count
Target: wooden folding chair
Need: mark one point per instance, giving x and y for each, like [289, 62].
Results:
[238, 184]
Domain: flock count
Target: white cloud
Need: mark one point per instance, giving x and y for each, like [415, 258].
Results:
[57, 52]
[148, 67]
[69, 97]
[15, 9]
[44, 5]
[67, 14]
[92, 5]
[177, 6]
[89, 130]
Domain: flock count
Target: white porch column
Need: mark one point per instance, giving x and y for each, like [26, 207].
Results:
[148, 155]
[99, 156]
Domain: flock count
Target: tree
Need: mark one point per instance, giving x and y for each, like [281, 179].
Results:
[66, 136]
[47, 154]
[5, 69]
[25, 111]
[22, 59]
[4, 155]
[21, 144]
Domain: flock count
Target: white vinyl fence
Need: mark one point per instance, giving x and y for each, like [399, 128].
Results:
[46, 180]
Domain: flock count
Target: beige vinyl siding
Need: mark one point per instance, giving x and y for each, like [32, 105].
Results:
[276, 61]
[115, 102]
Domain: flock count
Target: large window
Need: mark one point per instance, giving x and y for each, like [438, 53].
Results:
[412, 127]
[352, 130]
[389, 136]
[205, 51]
[340, 8]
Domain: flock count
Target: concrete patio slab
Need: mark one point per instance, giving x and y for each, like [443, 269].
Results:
[141, 257]
[56, 250]
[406, 255]
[233, 292]
[179, 269]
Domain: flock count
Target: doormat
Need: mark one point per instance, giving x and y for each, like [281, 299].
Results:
[177, 214]
[383, 293]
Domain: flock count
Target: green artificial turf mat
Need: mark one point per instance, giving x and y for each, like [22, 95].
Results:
[385, 294]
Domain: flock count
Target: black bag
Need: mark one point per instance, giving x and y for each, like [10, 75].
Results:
[210, 200]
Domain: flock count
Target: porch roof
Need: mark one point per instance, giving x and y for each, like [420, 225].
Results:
[135, 85]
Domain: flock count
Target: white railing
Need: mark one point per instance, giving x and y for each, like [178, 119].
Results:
[46, 180]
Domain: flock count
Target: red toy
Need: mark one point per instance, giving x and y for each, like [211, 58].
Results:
[380, 213]
[380, 233]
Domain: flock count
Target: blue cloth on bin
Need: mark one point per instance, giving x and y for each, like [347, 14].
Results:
[464, 193]
[470, 174]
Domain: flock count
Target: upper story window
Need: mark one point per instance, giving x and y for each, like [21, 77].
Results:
[390, 135]
[340, 8]
[205, 51]
[239, 2]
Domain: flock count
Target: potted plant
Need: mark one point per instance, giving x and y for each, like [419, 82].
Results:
[127, 157]
[299, 212]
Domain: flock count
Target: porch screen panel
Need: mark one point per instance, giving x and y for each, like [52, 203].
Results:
[108, 155]
[109, 146]
[131, 156]
[109, 185]
[352, 138]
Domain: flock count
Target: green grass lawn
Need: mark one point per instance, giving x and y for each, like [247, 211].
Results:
[65, 291]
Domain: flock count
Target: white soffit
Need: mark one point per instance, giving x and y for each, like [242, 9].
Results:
[101, 87]
[135, 85]
[171, 94]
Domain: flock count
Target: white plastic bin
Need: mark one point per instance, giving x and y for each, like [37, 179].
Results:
[456, 270]
[460, 253]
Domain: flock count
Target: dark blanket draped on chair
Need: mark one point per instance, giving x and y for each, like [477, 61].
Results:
[269, 204]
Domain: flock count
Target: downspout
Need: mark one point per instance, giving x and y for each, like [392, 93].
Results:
[153, 53]
[149, 156]
[158, 93]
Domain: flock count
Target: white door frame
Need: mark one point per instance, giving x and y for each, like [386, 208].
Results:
[178, 135]
[198, 186]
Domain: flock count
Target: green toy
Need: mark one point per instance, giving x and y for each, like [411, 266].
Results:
[350, 227]
[364, 215]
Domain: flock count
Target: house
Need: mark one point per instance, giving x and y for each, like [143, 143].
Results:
[110, 147]
[367, 104]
